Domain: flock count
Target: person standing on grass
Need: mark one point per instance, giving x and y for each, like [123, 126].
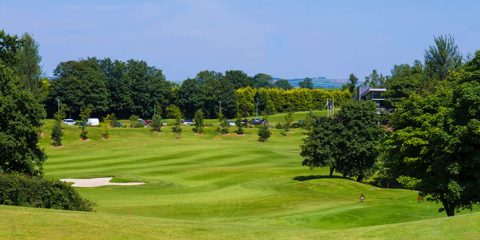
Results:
[362, 197]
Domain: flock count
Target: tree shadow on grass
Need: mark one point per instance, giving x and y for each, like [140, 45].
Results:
[312, 177]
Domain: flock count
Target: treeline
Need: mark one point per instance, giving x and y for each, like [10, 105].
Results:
[134, 87]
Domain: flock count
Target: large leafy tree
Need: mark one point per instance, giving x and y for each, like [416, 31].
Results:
[443, 57]
[375, 80]
[238, 78]
[228, 98]
[20, 115]
[353, 82]
[435, 147]
[262, 80]
[80, 85]
[325, 144]
[306, 83]
[190, 97]
[284, 84]
[211, 90]
[28, 66]
[404, 81]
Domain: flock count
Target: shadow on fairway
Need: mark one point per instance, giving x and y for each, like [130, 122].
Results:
[306, 178]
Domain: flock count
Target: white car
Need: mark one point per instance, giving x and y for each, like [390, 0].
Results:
[69, 122]
[93, 122]
[232, 123]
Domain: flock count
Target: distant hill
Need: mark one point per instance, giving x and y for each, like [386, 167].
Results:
[318, 82]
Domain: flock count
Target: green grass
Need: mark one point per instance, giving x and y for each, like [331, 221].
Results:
[235, 187]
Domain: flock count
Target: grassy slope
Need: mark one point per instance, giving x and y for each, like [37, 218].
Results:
[233, 187]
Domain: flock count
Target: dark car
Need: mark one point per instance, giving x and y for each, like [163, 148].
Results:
[117, 124]
[256, 121]
[187, 122]
[148, 122]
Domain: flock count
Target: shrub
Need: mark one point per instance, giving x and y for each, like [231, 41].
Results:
[239, 124]
[57, 135]
[264, 133]
[107, 123]
[156, 123]
[17, 190]
[225, 127]
[134, 121]
[84, 114]
[198, 121]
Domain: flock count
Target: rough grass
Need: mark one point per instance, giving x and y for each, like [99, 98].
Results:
[235, 187]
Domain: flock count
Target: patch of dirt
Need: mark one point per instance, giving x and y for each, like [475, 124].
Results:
[306, 136]
[226, 134]
[103, 138]
[291, 132]
[86, 140]
[217, 138]
[41, 134]
[262, 142]
[58, 146]
[240, 135]
[199, 134]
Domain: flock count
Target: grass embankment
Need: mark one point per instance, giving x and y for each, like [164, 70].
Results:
[234, 187]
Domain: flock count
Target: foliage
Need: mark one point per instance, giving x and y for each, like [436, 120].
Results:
[441, 58]
[435, 145]
[306, 83]
[198, 122]
[309, 120]
[353, 82]
[238, 78]
[324, 146]
[262, 80]
[20, 116]
[59, 116]
[360, 137]
[264, 133]
[107, 122]
[57, 135]
[239, 125]
[225, 126]
[156, 123]
[113, 118]
[283, 84]
[133, 120]
[375, 80]
[17, 190]
[28, 67]
[177, 115]
[288, 120]
[404, 81]
[173, 111]
[84, 115]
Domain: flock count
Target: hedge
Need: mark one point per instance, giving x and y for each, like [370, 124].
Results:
[18, 190]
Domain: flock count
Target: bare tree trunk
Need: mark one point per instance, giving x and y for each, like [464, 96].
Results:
[331, 171]
[449, 208]
[360, 178]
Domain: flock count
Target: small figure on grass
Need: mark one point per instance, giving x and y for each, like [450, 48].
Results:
[107, 121]
[264, 133]
[84, 115]
[362, 197]
[198, 122]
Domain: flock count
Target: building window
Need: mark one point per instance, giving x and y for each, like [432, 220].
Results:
[377, 95]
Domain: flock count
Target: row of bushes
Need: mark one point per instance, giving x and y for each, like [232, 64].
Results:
[18, 190]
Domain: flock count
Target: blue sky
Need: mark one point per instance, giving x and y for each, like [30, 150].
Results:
[289, 39]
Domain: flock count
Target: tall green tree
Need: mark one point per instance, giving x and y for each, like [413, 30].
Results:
[238, 78]
[228, 98]
[28, 67]
[190, 97]
[20, 116]
[84, 115]
[198, 121]
[325, 144]
[211, 89]
[435, 145]
[404, 81]
[284, 84]
[262, 80]
[375, 80]
[442, 57]
[353, 82]
[306, 83]
[360, 138]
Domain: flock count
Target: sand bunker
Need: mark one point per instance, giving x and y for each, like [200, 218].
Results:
[96, 182]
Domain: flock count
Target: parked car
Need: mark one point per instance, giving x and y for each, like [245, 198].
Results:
[232, 123]
[142, 122]
[93, 122]
[148, 122]
[164, 123]
[256, 121]
[187, 122]
[69, 122]
[80, 124]
[117, 124]
[264, 122]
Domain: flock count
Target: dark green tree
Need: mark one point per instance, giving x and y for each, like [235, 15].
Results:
[361, 136]
[133, 120]
[20, 116]
[57, 135]
[375, 80]
[353, 82]
[284, 84]
[228, 98]
[325, 144]
[156, 123]
[239, 125]
[263, 80]
[404, 81]
[190, 97]
[198, 122]
[306, 83]
[28, 67]
[435, 144]
[84, 115]
[443, 57]
[238, 78]
[264, 133]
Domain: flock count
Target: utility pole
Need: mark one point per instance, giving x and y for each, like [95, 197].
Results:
[154, 109]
